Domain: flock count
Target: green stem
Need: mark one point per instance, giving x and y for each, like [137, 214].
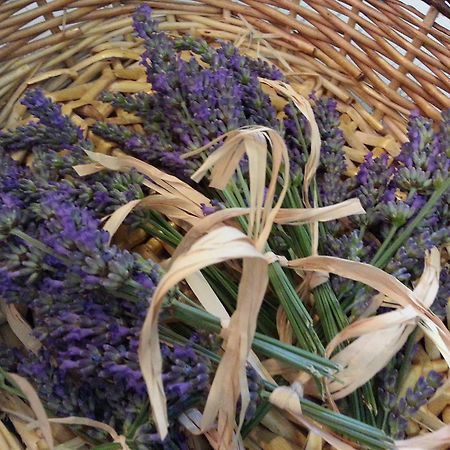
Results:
[406, 362]
[298, 316]
[263, 408]
[270, 347]
[110, 446]
[38, 244]
[355, 430]
[385, 244]
[429, 205]
[384, 421]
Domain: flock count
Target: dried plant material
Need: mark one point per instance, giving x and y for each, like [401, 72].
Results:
[429, 441]
[288, 399]
[428, 421]
[315, 442]
[206, 295]
[116, 219]
[20, 327]
[220, 245]
[284, 328]
[7, 439]
[223, 162]
[131, 87]
[276, 367]
[276, 422]
[36, 405]
[159, 181]
[128, 237]
[228, 387]
[94, 424]
[410, 379]
[191, 420]
[360, 365]
[446, 415]
[121, 53]
[313, 160]
[209, 300]
[438, 365]
[293, 216]
[391, 328]
[175, 208]
[303, 105]
[431, 349]
[130, 73]
[51, 74]
[30, 438]
[280, 443]
[241, 327]
[73, 444]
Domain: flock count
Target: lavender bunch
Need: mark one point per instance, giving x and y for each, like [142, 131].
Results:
[190, 104]
[397, 410]
[55, 149]
[87, 300]
[396, 194]
[53, 130]
[113, 399]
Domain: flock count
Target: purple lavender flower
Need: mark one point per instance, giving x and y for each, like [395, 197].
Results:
[410, 404]
[53, 130]
[190, 105]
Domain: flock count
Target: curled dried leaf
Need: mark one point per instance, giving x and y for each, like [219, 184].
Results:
[312, 164]
[20, 327]
[429, 441]
[72, 420]
[254, 141]
[220, 245]
[293, 216]
[384, 334]
[36, 405]
[159, 181]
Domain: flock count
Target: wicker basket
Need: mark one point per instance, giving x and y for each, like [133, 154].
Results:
[379, 59]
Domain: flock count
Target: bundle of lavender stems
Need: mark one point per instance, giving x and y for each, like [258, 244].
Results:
[86, 298]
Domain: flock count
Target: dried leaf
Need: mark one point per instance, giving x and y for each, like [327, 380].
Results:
[209, 300]
[287, 398]
[117, 217]
[192, 419]
[360, 365]
[224, 161]
[220, 245]
[304, 107]
[36, 405]
[228, 386]
[20, 327]
[284, 327]
[314, 157]
[72, 420]
[429, 441]
[206, 295]
[293, 216]
[7, 439]
[391, 329]
[160, 181]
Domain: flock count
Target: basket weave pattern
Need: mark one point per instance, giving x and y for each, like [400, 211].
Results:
[382, 52]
